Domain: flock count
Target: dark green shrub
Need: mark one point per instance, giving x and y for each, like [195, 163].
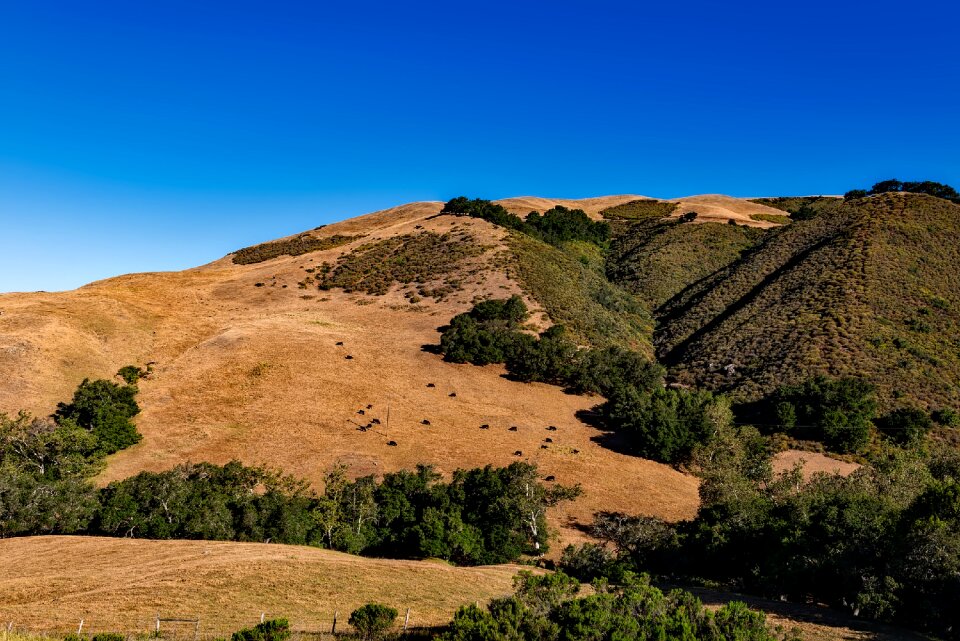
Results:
[905, 425]
[947, 417]
[486, 334]
[855, 193]
[108, 636]
[373, 620]
[302, 244]
[837, 412]
[688, 217]
[104, 408]
[662, 424]
[272, 630]
[549, 359]
[131, 374]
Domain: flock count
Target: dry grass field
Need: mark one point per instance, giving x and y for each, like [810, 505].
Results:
[50, 583]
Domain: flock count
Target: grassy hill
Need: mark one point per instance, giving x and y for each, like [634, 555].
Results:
[865, 287]
[251, 359]
[50, 583]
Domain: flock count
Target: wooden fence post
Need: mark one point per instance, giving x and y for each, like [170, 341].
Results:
[261, 617]
[80, 627]
[333, 629]
[406, 620]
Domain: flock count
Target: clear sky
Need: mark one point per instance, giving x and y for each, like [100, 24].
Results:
[139, 136]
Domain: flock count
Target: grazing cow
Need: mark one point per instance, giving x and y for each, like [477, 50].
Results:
[576, 451]
[513, 428]
[348, 357]
[430, 385]
[548, 440]
[425, 422]
[361, 412]
[452, 394]
[339, 343]
[370, 406]
[518, 453]
[543, 447]
[550, 478]
[375, 421]
[552, 428]
[484, 427]
[392, 443]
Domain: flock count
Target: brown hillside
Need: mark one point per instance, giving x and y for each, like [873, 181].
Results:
[255, 372]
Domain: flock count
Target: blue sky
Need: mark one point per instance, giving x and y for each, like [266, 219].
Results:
[150, 136]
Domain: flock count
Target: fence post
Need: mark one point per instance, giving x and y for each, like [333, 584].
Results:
[261, 617]
[406, 620]
[157, 631]
[80, 627]
[333, 629]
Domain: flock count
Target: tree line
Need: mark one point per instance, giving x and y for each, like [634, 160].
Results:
[929, 187]
[882, 543]
[554, 226]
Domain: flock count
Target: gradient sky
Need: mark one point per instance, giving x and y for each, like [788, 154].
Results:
[140, 136]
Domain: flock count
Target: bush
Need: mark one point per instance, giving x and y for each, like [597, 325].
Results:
[373, 620]
[948, 417]
[854, 194]
[688, 217]
[131, 374]
[905, 425]
[105, 409]
[272, 630]
[108, 636]
[836, 412]
[486, 334]
[664, 424]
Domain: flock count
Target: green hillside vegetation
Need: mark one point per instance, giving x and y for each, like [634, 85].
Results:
[802, 207]
[302, 244]
[657, 258]
[869, 290]
[570, 284]
[640, 209]
[771, 218]
[883, 543]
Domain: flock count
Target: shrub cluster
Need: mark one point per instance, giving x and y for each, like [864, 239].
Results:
[104, 408]
[409, 259]
[639, 209]
[554, 226]
[929, 187]
[302, 244]
[548, 608]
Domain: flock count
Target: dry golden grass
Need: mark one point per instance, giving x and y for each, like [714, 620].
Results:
[812, 462]
[254, 373]
[50, 583]
[716, 208]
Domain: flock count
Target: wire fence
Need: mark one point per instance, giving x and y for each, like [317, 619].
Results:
[190, 629]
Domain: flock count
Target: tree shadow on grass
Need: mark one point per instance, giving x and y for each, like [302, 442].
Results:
[608, 438]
